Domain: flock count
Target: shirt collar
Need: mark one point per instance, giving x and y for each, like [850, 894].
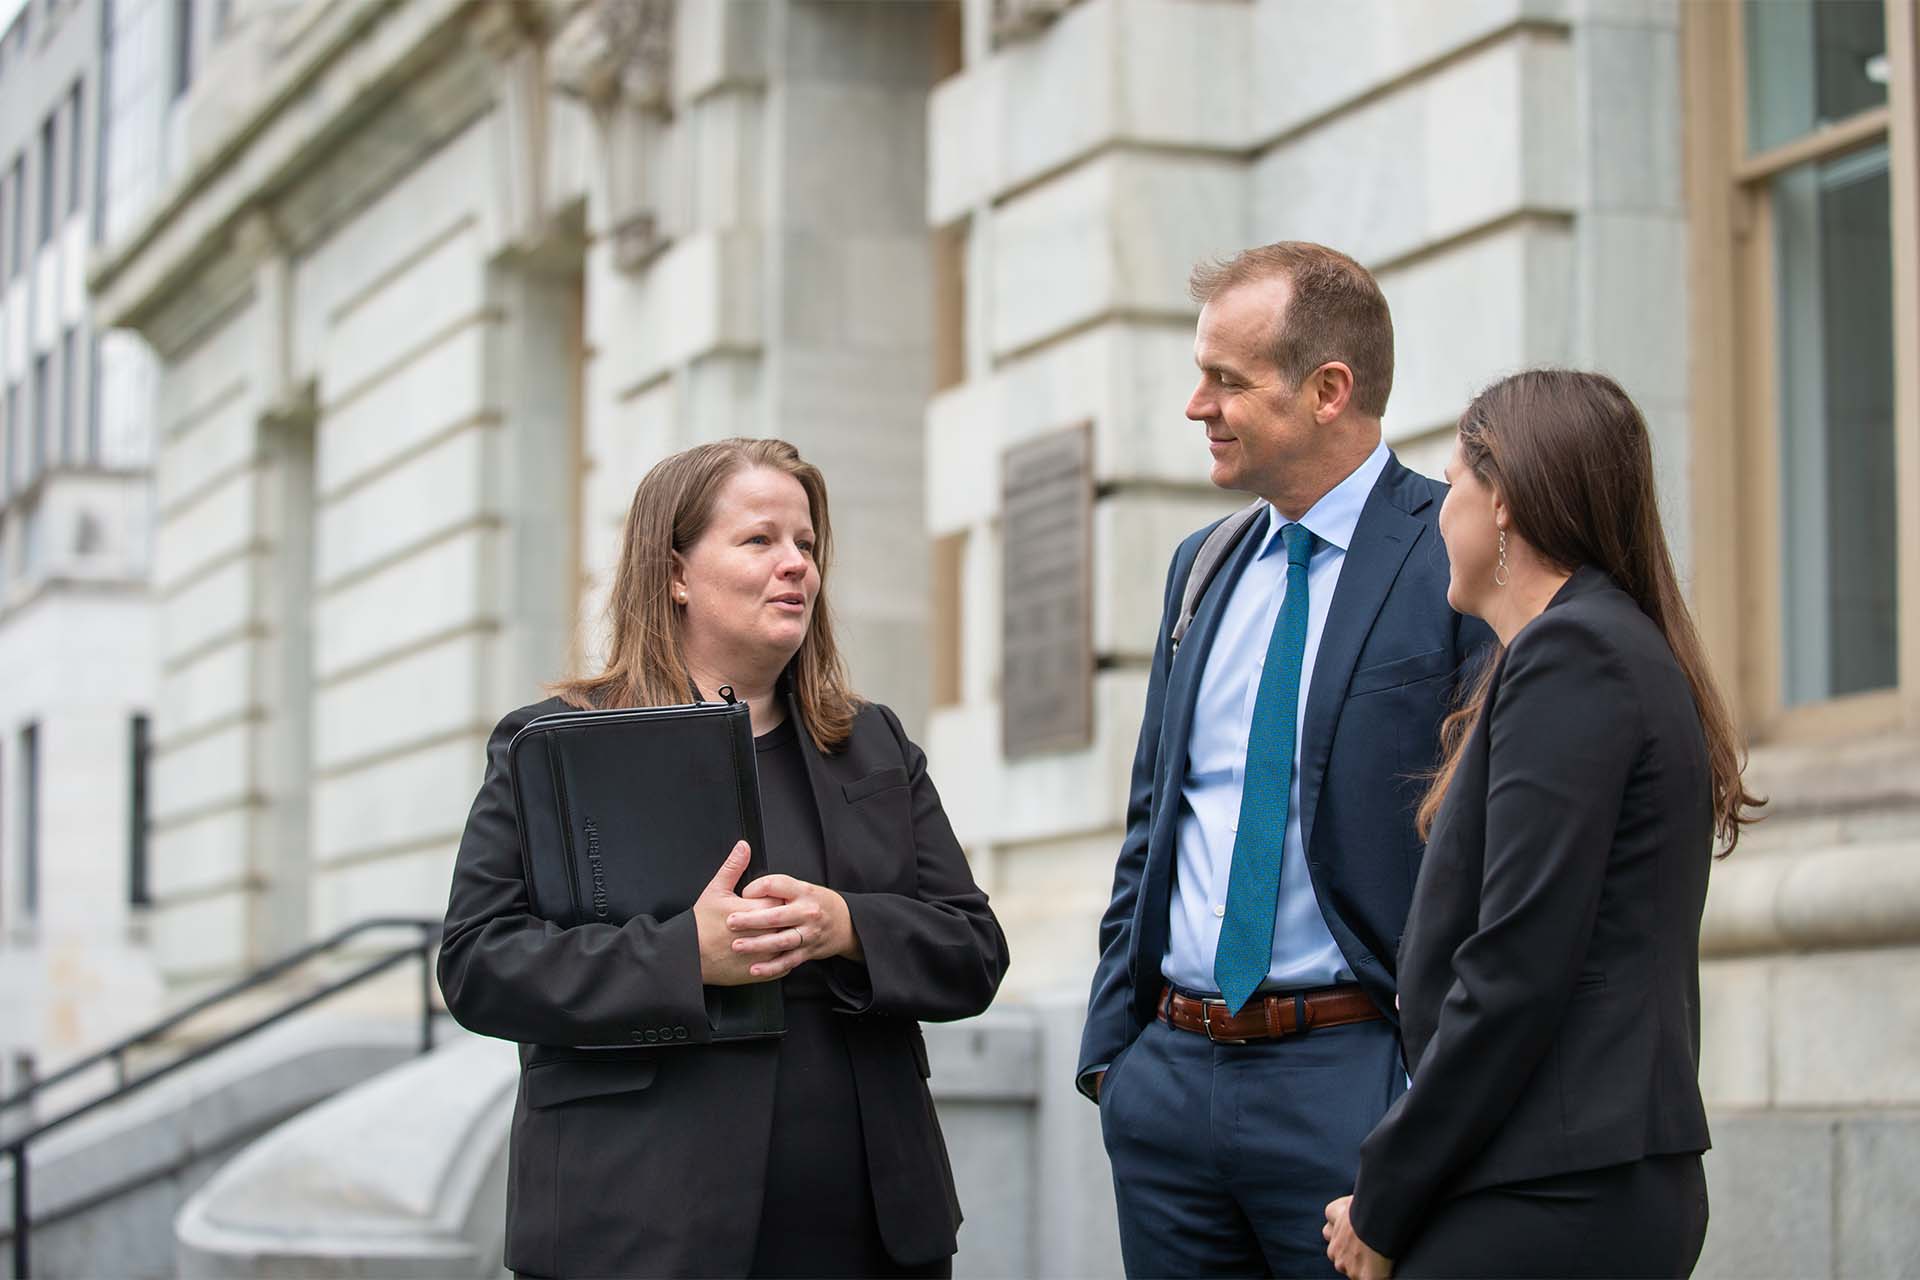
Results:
[1334, 518]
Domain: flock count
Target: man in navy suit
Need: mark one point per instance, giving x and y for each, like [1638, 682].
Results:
[1241, 1037]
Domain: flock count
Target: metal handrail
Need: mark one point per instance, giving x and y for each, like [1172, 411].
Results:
[16, 1144]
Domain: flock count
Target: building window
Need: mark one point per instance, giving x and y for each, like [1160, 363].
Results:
[30, 821]
[48, 134]
[42, 399]
[69, 384]
[182, 46]
[76, 149]
[13, 427]
[1814, 232]
[102, 109]
[17, 226]
[139, 889]
[1833, 261]
[93, 400]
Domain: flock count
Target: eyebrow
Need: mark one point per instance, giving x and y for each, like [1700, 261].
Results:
[767, 522]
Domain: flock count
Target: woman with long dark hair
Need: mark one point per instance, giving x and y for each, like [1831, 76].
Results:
[818, 1154]
[1549, 973]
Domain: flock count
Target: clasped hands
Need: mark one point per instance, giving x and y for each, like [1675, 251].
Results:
[771, 928]
[1348, 1252]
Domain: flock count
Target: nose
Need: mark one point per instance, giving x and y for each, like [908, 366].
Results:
[794, 563]
[1200, 407]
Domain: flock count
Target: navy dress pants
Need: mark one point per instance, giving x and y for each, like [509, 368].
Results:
[1225, 1156]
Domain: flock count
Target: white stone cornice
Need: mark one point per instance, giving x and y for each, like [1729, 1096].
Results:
[180, 261]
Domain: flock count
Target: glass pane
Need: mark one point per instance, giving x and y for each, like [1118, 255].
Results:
[1834, 260]
[1811, 62]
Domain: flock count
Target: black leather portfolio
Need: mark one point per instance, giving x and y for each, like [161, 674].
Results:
[630, 812]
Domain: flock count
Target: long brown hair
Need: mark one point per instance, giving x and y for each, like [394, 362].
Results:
[673, 505]
[1570, 455]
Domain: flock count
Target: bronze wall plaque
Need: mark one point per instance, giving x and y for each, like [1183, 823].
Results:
[1046, 593]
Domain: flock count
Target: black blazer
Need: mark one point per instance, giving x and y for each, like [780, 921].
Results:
[1384, 679]
[651, 1161]
[1550, 977]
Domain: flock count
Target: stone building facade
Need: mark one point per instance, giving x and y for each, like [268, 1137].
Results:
[436, 281]
[76, 631]
[417, 348]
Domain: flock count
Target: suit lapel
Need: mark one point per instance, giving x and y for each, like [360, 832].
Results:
[1381, 541]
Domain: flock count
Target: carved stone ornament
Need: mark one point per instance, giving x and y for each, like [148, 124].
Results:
[617, 50]
[1019, 19]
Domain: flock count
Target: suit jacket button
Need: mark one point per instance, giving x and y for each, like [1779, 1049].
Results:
[653, 1037]
[639, 1036]
[679, 1033]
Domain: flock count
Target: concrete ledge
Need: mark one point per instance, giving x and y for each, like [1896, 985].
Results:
[1851, 773]
[404, 1175]
[104, 1191]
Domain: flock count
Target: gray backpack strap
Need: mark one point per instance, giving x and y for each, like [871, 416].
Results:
[1212, 553]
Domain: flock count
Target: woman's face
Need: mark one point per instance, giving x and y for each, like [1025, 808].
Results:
[1468, 527]
[747, 587]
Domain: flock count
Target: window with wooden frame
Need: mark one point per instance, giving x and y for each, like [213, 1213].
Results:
[1805, 494]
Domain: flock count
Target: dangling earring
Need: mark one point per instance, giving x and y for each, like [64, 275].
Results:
[1500, 576]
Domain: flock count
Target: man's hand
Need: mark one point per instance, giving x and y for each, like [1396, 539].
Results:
[1350, 1254]
[720, 964]
[787, 922]
[1099, 1081]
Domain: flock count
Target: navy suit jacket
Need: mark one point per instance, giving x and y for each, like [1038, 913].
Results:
[1390, 658]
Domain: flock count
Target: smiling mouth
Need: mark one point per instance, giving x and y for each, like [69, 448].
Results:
[795, 600]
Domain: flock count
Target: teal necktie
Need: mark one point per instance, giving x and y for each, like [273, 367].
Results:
[1253, 886]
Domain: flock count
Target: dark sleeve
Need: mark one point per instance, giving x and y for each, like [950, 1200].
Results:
[1563, 737]
[506, 974]
[933, 957]
[1111, 1025]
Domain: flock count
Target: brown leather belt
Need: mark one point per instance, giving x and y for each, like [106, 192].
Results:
[1266, 1017]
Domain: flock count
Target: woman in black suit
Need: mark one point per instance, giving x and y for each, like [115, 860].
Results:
[1549, 973]
[818, 1154]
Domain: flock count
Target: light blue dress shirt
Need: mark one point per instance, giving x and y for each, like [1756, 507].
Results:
[1304, 952]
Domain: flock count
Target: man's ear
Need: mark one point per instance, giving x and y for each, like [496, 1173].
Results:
[1332, 387]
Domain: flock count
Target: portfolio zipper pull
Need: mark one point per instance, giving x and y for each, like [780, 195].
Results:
[726, 694]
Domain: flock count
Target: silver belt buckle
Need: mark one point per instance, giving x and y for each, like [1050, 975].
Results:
[1206, 1020]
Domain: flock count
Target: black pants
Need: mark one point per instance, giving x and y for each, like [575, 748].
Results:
[1645, 1218]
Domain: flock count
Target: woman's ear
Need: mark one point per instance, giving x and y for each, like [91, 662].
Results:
[677, 579]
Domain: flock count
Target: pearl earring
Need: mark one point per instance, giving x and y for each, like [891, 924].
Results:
[1500, 575]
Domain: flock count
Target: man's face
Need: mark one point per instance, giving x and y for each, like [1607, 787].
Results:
[1257, 422]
